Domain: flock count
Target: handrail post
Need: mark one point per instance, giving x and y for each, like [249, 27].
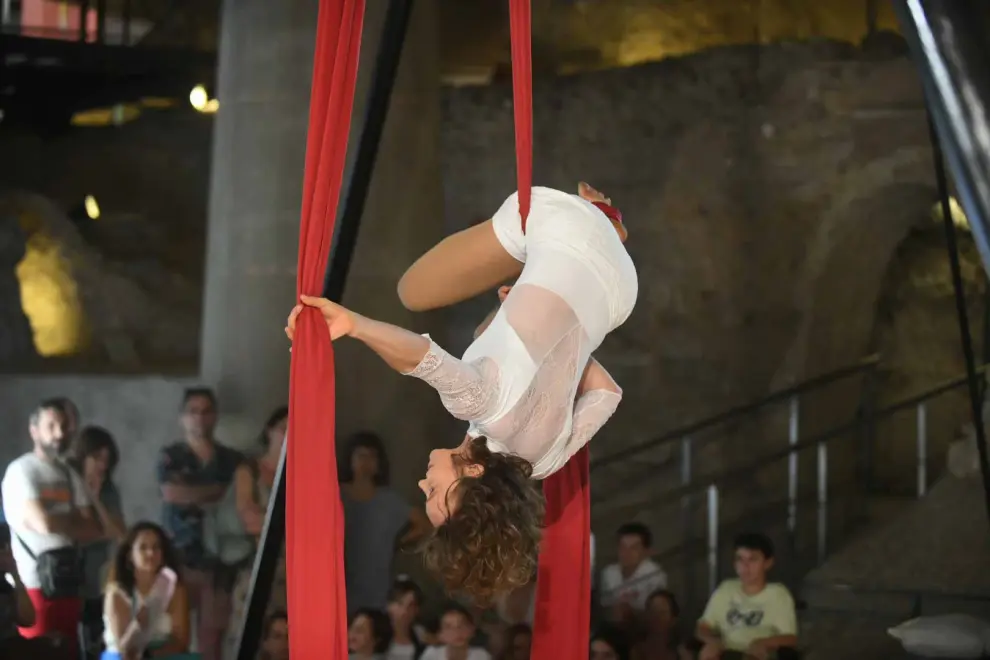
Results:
[712, 538]
[822, 501]
[793, 432]
[868, 434]
[922, 438]
[686, 526]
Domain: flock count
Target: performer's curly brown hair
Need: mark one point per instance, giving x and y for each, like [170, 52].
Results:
[489, 544]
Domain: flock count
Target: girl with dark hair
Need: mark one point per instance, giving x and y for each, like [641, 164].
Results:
[136, 620]
[528, 384]
[368, 635]
[93, 454]
[376, 519]
[661, 638]
[609, 643]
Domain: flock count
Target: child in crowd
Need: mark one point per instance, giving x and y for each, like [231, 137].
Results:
[369, 635]
[627, 584]
[404, 603]
[456, 630]
[748, 617]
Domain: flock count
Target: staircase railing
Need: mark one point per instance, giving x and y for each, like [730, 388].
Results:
[713, 487]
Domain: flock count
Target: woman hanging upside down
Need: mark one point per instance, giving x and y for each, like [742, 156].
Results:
[528, 385]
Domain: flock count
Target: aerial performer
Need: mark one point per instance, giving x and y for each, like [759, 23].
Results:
[528, 385]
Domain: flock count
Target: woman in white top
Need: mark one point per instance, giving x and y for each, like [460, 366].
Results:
[528, 386]
[136, 623]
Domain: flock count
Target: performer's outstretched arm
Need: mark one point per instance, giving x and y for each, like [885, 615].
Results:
[399, 348]
[467, 390]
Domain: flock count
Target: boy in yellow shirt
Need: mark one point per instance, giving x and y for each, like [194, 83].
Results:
[748, 617]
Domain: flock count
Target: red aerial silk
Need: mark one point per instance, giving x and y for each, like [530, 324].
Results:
[522, 100]
[314, 515]
[563, 583]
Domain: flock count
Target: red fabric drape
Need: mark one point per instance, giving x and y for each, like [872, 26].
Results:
[563, 583]
[314, 516]
[520, 18]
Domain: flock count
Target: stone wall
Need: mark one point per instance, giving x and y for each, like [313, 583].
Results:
[766, 191]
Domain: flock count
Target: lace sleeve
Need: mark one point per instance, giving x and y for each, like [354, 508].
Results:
[468, 390]
[591, 411]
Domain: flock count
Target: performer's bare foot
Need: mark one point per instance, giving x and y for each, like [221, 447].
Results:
[586, 192]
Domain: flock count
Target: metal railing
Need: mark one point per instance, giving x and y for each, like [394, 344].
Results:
[863, 422]
[714, 486]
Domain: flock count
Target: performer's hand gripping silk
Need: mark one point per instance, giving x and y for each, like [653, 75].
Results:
[528, 385]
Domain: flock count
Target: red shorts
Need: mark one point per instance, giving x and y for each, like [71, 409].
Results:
[55, 617]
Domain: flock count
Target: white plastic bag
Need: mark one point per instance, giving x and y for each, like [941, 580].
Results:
[948, 636]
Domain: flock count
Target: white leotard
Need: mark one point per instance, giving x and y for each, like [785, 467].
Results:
[517, 382]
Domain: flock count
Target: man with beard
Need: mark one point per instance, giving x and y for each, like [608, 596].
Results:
[49, 514]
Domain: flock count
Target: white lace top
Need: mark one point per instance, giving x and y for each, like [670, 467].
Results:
[517, 382]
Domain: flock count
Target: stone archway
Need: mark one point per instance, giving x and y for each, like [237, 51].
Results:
[841, 283]
[917, 332]
[874, 210]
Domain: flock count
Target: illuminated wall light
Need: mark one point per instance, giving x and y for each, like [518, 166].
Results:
[201, 101]
[198, 98]
[92, 208]
[98, 117]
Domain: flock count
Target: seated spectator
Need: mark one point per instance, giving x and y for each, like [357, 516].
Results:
[404, 603]
[369, 634]
[456, 630]
[661, 638]
[748, 617]
[609, 643]
[626, 584]
[518, 642]
[275, 637]
[134, 625]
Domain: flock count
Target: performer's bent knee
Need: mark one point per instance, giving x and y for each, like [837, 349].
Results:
[460, 267]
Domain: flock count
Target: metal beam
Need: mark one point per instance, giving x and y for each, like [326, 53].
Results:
[341, 254]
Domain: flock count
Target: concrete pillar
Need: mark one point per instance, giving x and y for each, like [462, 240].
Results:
[264, 78]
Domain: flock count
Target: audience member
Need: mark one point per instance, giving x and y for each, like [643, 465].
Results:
[374, 518]
[747, 616]
[609, 643]
[457, 628]
[49, 514]
[194, 473]
[275, 638]
[626, 584]
[404, 604]
[369, 634]
[518, 641]
[16, 610]
[246, 503]
[139, 618]
[71, 412]
[94, 455]
[661, 639]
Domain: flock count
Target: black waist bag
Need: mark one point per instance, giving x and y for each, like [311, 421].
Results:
[60, 571]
